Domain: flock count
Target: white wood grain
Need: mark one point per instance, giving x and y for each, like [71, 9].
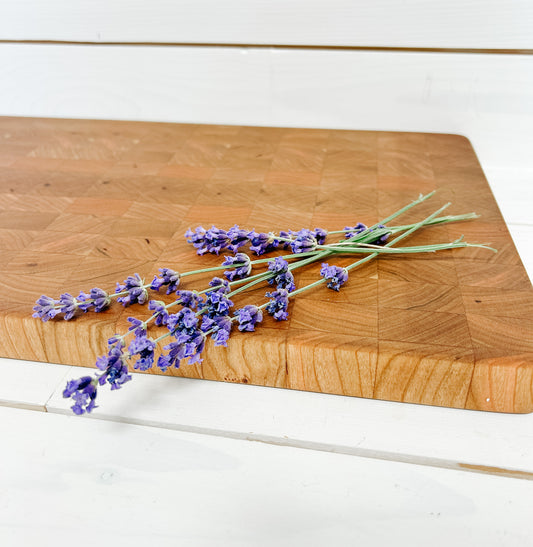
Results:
[478, 24]
[26, 384]
[87, 482]
[488, 98]
[376, 429]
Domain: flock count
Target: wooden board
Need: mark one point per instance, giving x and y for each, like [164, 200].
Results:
[87, 203]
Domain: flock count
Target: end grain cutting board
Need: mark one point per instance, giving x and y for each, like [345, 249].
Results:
[87, 203]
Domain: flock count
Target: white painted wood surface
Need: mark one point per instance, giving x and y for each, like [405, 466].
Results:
[488, 98]
[480, 24]
[85, 482]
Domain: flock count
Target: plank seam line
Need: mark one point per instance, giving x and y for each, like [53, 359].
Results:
[499, 51]
[320, 447]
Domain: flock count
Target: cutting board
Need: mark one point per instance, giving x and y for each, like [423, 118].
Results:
[87, 203]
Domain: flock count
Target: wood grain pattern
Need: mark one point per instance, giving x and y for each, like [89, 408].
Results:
[86, 203]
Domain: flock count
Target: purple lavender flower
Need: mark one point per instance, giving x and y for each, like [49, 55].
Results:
[160, 312]
[190, 346]
[282, 275]
[262, 243]
[221, 330]
[238, 272]
[68, 306]
[382, 239]
[304, 241]
[83, 393]
[189, 299]
[216, 304]
[337, 276]
[351, 231]
[221, 285]
[189, 340]
[135, 290]
[279, 243]
[115, 370]
[216, 239]
[320, 235]
[277, 307]
[144, 347]
[169, 278]
[184, 319]
[97, 299]
[237, 237]
[45, 308]
[197, 238]
[137, 326]
[249, 316]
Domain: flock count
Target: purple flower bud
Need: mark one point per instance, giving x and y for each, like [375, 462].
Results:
[337, 276]
[216, 240]
[184, 319]
[351, 231]
[220, 285]
[189, 299]
[304, 241]
[197, 238]
[83, 393]
[216, 304]
[282, 276]
[221, 330]
[115, 370]
[45, 308]
[135, 290]
[277, 307]
[262, 243]
[144, 347]
[160, 312]
[237, 238]
[238, 272]
[137, 326]
[69, 305]
[320, 235]
[249, 316]
[169, 278]
[97, 299]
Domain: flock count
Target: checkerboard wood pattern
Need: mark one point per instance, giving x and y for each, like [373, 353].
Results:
[87, 203]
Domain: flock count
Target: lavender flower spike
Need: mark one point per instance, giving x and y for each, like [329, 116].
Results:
[237, 237]
[69, 305]
[168, 278]
[83, 393]
[249, 316]
[115, 370]
[304, 241]
[97, 298]
[144, 347]
[282, 276]
[197, 238]
[351, 231]
[337, 276]
[277, 307]
[238, 272]
[136, 292]
[45, 308]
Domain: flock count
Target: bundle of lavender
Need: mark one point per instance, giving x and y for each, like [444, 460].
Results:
[208, 312]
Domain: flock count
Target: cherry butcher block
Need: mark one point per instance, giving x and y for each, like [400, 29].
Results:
[86, 203]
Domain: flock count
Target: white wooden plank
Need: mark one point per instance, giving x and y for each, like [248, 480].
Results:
[384, 23]
[86, 482]
[488, 98]
[513, 190]
[450, 438]
[26, 384]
